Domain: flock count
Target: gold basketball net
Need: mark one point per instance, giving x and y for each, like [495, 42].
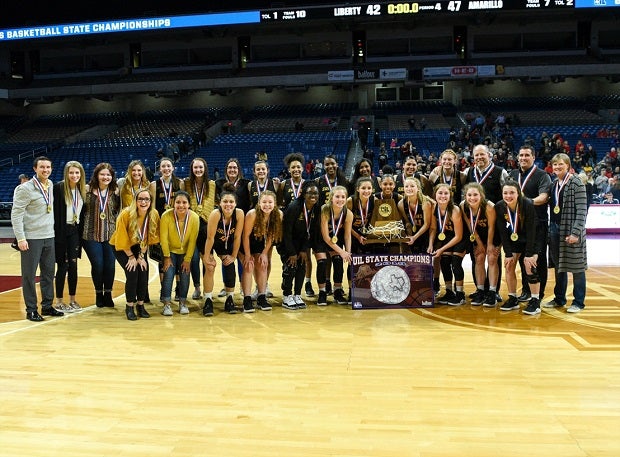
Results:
[385, 223]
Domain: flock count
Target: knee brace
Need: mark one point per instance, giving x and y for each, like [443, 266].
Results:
[229, 276]
[533, 277]
[457, 268]
[445, 263]
[338, 268]
[321, 266]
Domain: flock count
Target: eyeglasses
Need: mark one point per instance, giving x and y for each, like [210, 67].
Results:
[143, 199]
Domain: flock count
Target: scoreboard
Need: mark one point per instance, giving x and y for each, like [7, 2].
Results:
[392, 9]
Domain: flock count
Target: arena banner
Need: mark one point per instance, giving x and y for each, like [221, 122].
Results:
[387, 281]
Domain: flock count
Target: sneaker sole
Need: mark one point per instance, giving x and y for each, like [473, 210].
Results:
[509, 309]
[248, 311]
[532, 313]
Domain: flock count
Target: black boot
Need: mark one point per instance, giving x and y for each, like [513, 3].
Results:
[107, 299]
[142, 312]
[99, 299]
[131, 314]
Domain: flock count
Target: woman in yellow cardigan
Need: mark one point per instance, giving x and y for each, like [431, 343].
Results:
[177, 236]
[137, 227]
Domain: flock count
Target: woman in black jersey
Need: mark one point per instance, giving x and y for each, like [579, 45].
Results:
[233, 174]
[480, 236]
[410, 170]
[363, 169]
[447, 173]
[336, 222]
[299, 230]
[224, 231]
[262, 229]
[288, 190]
[361, 204]
[333, 177]
[416, 210]
[446, 233]
[388, 185]
[261, 182]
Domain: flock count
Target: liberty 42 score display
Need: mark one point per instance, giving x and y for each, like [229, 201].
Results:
[387, 9]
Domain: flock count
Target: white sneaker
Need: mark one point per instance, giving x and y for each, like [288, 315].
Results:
[183, 309]
[222, 293]
[167, 311]
[573, 309]
[289, 302]
[299, 302]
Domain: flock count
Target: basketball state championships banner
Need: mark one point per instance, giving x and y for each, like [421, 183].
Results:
[392, 281]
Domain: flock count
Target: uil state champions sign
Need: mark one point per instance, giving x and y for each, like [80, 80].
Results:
[392, 281]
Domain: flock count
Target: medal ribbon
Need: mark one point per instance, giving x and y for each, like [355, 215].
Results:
[75, 204]
[226, 232]
[142, 233]
[103, 204]
[176, 222]
[296, 189]
[558, 188]
[329, 184]
[46, 193]
[261, 189]
[167, 191]
[527, 178]
[441, 220]
[364, 212]
[199, 195]
[513, 220]
[336, 228]
[473, 223]
[415, 213]
[445, 178]
[308, 220]
[482, 177]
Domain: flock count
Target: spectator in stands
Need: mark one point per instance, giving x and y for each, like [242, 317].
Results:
[32, 219]
[318, 168]
[299, 126]
[383, 159]
[567, 234]
[101, 207]
[137, 228]
[68, 204]
[411, 122]
[309, 169]
[589, 156]
[609, 199]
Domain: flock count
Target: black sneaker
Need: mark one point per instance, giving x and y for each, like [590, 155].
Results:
[459, 299]
[489, 300]
[328, 287]
[50, 311]
[339, 297]
[207, 309]
[262, 303]
[533, 307]
[445, 298]
[248, 307]
[322, 300]
[436, 285]
[524, 297]
[478, 297]
[510, 304]
[498, 298]
[309, 290]
[229, 305]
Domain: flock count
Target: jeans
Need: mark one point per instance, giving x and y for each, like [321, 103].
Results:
[102, 266]
[40, 254]
[561, 278]
[166, 287]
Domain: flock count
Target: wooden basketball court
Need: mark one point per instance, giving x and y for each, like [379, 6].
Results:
[330, 381]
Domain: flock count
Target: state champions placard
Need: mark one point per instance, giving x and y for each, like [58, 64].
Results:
[392, 281]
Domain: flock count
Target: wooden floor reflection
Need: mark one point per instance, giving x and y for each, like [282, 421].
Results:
[330, 381]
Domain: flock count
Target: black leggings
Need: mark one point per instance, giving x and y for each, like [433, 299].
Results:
[67, 251]
[137, 281]
[290, 274]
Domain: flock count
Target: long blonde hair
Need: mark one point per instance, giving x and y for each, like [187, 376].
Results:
[81, 184]
[268, 227]
[327, 207]
[128, 184]
[133, 218]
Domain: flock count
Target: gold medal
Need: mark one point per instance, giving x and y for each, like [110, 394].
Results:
[199, 210]
[49, 208]
[472, 237]
[413, 229]
[514, 237]
[441, 236]
[334, 239]
[74, 219]
[142, 244]
[102, 216]
[556, 209]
